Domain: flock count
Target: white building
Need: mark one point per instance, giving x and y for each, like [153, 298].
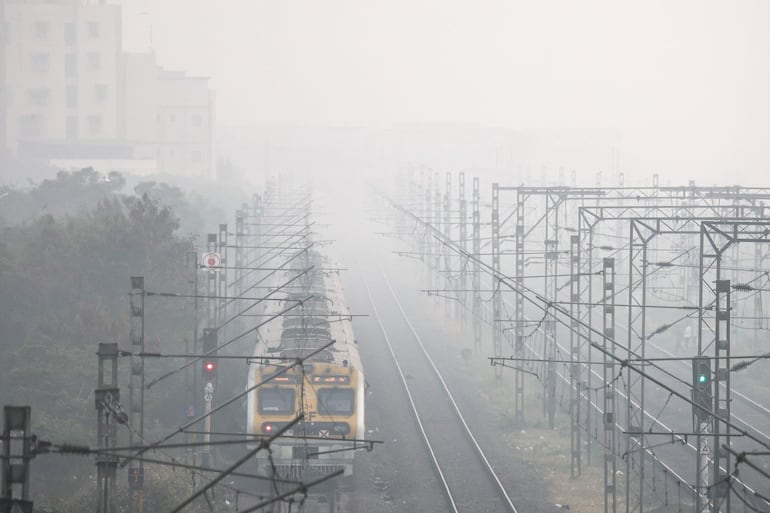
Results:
[169, 117]
[69, 94]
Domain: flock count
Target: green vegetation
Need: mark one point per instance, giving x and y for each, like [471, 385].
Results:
[67, 250]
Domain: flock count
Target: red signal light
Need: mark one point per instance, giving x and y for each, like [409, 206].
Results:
[210, 366]
[269, 428]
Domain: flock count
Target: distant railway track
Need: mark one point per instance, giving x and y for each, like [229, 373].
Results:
[669, 466]
[469, 482]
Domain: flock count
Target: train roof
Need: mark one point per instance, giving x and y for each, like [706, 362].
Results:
[322, 317]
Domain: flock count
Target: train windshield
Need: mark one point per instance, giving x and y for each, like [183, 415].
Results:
[335, 401]
[276, 401]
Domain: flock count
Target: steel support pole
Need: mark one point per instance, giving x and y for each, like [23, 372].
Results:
[222, 278]
[551, 255]
[427, 235]
[462, 296]
[16, 456]
[212, 321]
[758, 305]
[519, 235]
[609, 400]
[476, 266]
[255, 233]
[420, 232]
[211, 285]
[703, 451]
[239, 252]
[497, 298]
[136, 392]
[436, 223]
[586, 232]
[640, 235]
[107, 397]
[191, 377]
[575, 368]
[721, 463]
[448, 281]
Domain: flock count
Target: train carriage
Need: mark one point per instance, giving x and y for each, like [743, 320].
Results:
[328, 388]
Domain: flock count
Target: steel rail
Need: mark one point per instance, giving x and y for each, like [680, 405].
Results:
[479, 450]
[447, 490]
[656, 421]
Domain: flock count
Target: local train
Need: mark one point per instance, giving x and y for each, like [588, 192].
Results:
[306, 362]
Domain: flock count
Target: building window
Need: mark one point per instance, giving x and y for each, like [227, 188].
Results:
[95, 124]
[31, 126]
[70, 35]
[93, 29]
[70, 65]
[40, 62]
[72, 128]
[197, 120]
[100, 91]
[94, 61]
[41, 29]
[196, 156]
[38, 97]
[71, 97]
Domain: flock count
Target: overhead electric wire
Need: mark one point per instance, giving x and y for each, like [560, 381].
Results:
[534, 298]
[67, 449]
[293, 279]
[246, 457]
[300, 489]
[204, 296]
[243, 334]
[298, 361]
[300, 234]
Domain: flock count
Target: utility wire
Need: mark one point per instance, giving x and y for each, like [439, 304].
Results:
[300, 489]
[298, 361]
[246, 457]
[250, 330]
[534, 298]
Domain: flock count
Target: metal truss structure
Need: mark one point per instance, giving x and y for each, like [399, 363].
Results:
[701, 226]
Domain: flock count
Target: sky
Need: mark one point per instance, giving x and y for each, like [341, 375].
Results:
[683, 79]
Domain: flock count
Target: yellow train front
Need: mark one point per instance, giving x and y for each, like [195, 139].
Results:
[327, 389]
[331, 398]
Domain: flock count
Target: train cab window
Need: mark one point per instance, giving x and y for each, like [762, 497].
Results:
[335, 401]
[276, 401]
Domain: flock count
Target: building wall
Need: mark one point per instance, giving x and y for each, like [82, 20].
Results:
[71, 93]
[61, 70]
[184, 124]
[168, 117]
[141, 99]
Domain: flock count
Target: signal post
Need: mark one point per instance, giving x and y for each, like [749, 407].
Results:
[136, 393]
[212, 260]
[209, 374]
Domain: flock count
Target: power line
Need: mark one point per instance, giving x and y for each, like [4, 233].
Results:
[250, 330]
[298, 361]
[246, 457]
[534, 298]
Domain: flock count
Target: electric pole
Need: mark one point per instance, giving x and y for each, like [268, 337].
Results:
[17, 452]
[109, 414]
[136, 393]
[209, 337]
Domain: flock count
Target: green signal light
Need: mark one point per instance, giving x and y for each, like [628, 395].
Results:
[702, 378]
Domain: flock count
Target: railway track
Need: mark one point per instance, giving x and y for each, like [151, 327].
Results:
[468, 479]
[688, 444]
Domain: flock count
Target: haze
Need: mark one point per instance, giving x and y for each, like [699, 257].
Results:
[677, 84]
